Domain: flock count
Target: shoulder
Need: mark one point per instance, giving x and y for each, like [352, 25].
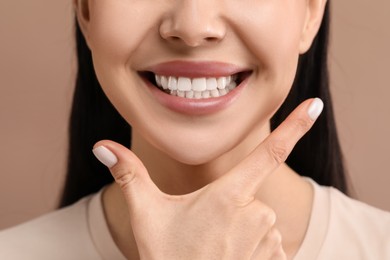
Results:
[355, 230]
[52, 236]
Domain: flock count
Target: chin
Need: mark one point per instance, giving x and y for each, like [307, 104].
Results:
[194, 159]
[196, 154]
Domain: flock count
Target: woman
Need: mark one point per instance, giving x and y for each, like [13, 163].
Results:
[202, 84]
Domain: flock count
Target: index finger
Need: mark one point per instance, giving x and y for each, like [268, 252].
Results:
[245, 179]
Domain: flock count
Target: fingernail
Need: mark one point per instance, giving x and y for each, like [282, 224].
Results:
[105, 156]
[315, 108]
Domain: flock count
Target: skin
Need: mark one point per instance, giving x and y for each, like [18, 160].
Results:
[264, 36]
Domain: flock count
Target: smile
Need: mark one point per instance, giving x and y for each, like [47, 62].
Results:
[195, 88]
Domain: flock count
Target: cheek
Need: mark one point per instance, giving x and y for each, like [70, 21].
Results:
[115, 36]
[115, 31]
[272, 33]
[271, 30]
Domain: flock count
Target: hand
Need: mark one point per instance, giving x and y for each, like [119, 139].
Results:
[222, 220]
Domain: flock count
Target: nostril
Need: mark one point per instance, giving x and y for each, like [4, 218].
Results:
[175, 38]
[211, 39]
[189, 39]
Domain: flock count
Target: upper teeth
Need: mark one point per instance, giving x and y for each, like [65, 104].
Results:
[195, 84]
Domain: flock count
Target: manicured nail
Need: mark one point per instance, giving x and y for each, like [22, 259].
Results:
[105, 156]
[315, 108]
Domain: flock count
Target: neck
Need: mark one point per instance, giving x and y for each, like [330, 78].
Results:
[284, 191]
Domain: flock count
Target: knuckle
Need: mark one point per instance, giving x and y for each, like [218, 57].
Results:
[278, 151]
[275, 236]
[266, 214]
[240, 201]
[270, 217]
[124, 176]
[279, 254]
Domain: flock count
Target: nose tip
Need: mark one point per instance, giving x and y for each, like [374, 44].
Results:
[193, 25]
[192, 37]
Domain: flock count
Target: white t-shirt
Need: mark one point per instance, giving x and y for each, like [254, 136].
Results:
[339, 228]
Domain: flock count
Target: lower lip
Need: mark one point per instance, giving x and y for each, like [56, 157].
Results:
[196, 107]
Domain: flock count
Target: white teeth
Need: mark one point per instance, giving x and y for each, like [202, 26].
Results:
[158, 80]
[172, 83]
[214, 93]
[199, 84]
[222, 82]
[181, 93]
[190, 94]
[232, 85]
[205, 94]
[184, 84]
[211, 83]
[197, 94]
[223, 92]
[228, 80]
[196, 87]
[163, 82]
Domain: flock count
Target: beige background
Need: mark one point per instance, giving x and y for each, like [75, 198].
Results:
[36, 86]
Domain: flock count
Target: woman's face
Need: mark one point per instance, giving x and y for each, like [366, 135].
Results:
[197, 46]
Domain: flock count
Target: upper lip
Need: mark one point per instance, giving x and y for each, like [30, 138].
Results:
[196, 69]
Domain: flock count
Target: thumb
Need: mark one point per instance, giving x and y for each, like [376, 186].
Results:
[129, 173]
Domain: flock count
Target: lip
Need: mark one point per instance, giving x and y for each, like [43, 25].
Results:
[195, 69]
[195, 107]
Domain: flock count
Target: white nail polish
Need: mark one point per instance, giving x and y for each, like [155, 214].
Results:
[105, 156]
[315, 108]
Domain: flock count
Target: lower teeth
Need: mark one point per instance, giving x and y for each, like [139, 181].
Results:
[202, 94]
